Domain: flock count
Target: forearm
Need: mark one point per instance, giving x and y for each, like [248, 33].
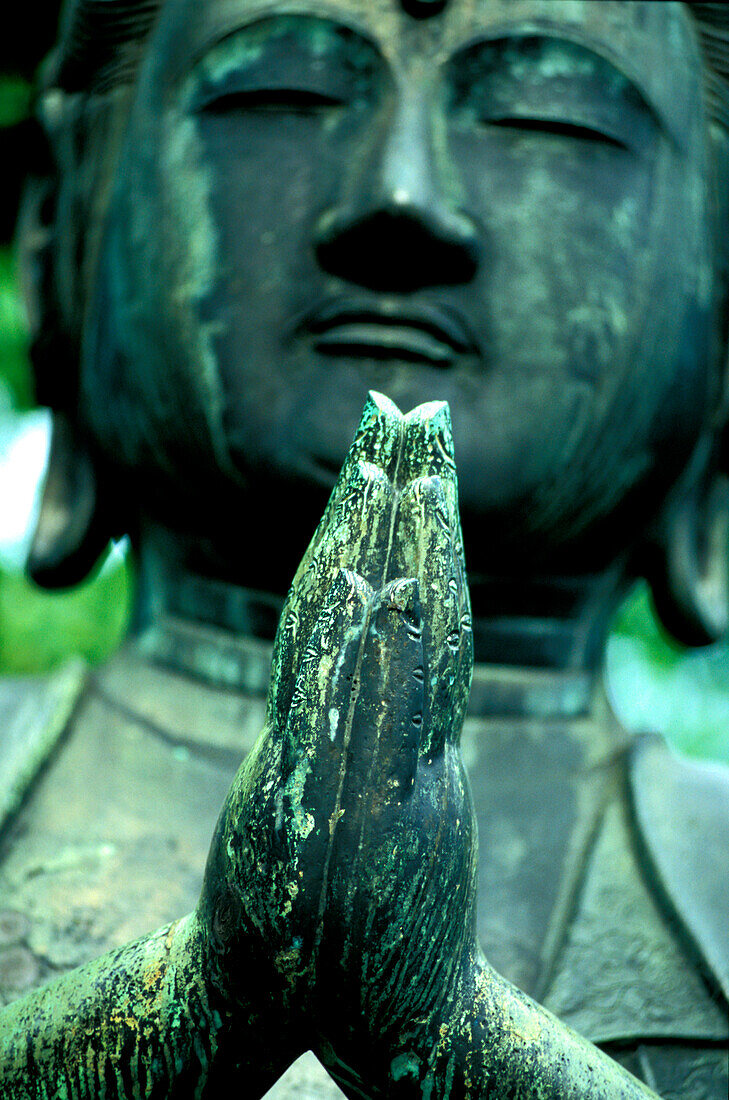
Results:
[139, 1023]
[500, 1043]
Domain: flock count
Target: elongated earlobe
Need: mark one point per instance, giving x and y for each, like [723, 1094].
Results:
[690, 581]
[100, 42]
[72, 531]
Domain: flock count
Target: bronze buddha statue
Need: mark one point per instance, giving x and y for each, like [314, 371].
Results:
[257, 211]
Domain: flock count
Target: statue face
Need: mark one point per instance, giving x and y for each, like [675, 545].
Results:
[504, 205]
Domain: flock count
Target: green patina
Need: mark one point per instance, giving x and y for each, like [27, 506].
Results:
[317, 857]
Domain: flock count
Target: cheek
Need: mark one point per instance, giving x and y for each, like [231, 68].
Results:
[566, 231]
[269, 181]
[597, 321]
[597, 269]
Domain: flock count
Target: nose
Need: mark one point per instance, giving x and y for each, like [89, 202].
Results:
[395, 227]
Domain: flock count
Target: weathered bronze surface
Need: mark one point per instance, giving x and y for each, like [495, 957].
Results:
[338, 907]
[256, 212]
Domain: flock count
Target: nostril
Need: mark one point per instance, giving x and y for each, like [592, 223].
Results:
[392, 250]
[423, 9]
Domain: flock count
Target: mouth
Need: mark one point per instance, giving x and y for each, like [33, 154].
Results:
[389, 329]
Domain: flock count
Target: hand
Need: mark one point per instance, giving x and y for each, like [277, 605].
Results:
[341, 879]
[347, 839]
[338, 905]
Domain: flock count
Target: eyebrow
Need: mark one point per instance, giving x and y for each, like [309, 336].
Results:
[223, 28]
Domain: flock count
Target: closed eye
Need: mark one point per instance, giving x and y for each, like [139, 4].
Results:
[291, 100]
[556, 126]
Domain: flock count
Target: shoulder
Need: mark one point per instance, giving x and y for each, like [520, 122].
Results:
[681, 809]
[34, 713]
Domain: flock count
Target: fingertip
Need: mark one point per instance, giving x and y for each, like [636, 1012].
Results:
[378, 435]
[356, 532]
[379, 404]
[362, 481]
[428, 443]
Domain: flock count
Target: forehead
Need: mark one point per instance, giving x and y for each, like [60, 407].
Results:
[653, 44]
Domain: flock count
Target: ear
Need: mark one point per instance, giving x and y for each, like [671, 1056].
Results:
[72, 530]
[70, 533]
[690, 573]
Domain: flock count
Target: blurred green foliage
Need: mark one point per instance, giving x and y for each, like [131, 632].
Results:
[39, 630]
[13, 339]
[656, 685]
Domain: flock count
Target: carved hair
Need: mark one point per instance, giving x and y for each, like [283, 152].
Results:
[713, 26]
[101, 43]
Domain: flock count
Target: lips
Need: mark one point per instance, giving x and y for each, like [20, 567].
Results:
[419, 333]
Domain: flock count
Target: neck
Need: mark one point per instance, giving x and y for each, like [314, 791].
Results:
[539, 642]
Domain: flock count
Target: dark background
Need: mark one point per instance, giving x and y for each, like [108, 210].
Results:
[35, 26]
